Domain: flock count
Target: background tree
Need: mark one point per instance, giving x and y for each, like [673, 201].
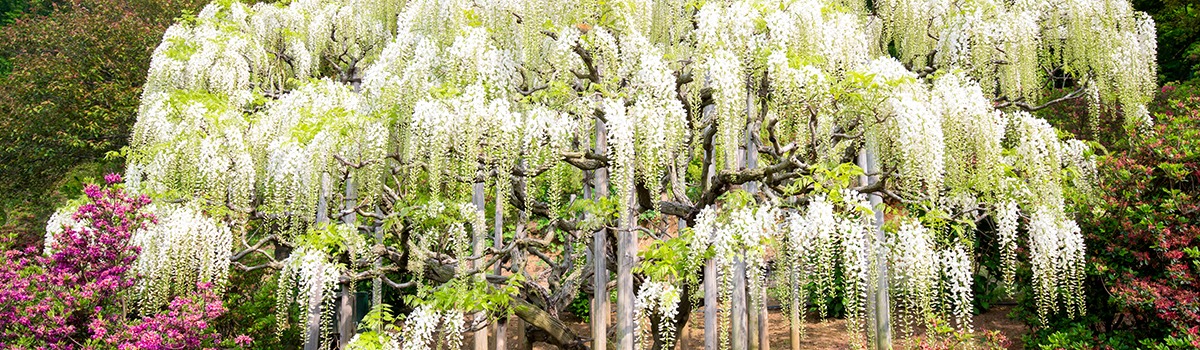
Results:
[72, 94]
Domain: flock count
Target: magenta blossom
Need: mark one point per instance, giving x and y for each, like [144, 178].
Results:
[75, 295]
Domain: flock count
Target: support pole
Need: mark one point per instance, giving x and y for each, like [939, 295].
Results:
[738, 300]
[600, 307]
[477, 197]
[753, 340]
[710, 305]
[742, 311]
[797, 315]
[501, 329]
[346, 301]
[627, 247]
[758, 305]
[764, 341]
[710, 266]
[377, 281]
[313, 341]
[878, 300]
[522, 341]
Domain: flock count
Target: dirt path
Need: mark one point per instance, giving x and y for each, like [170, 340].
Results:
[828, 334]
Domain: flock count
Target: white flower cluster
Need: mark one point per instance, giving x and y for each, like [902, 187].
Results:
[809, 31]
[206, 56]
[742, 234]
[661, 298]
[659, 115]
[185, 247]
[420, 327]
[316, 277]
[703, 236]
[425, 322]
[812, 243]
[473, 57]
[861, 251]
[453, 323]
[820, 223]
[729, 84]
[956, 266]
[298, 137]
[1076, 155]
[915, 275]
[1008, 46]
[973, 133]
[1038, 157]
[1007, 214]
[191, 135]
[919, 139]
[844, 42]
[191, 142]
[730, 25]
[621, 137]
[62, 219]
[1056, 252]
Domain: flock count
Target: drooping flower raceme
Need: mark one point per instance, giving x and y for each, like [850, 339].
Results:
[915, 275]
[184, 248]
[956, 267]
[1056, 252]
[316, 277]
[1007, 214]
[661, 299]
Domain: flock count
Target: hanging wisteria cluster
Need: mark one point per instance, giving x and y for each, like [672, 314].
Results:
[826, 241]
[736, 236]
[183, 248]
[1006, 45]
[307, 280]
[914, 262]
[424, 323]
[659, 299]
[336, 139]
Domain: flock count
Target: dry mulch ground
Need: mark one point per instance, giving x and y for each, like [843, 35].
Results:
[827, 334]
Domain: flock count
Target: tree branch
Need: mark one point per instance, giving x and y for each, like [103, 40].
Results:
[1003, 102]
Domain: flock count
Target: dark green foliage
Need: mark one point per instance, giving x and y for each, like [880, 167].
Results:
[12, 9]
[1178, 25]
[250, 298]
[581, 306]
[72, 93]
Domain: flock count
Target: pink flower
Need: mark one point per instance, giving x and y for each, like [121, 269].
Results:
[44, 296]
[243, 340]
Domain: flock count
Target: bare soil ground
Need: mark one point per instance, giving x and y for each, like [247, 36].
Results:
[827, 334]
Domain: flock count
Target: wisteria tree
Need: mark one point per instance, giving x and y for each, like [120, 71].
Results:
[693, 149]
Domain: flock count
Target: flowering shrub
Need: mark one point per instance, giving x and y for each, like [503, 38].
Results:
[1144, 265]
[47, 299]
[74, 295]
[1148, 238]
[186, 325]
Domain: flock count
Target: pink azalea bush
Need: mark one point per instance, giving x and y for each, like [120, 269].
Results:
[186, 325]
[73, 298]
